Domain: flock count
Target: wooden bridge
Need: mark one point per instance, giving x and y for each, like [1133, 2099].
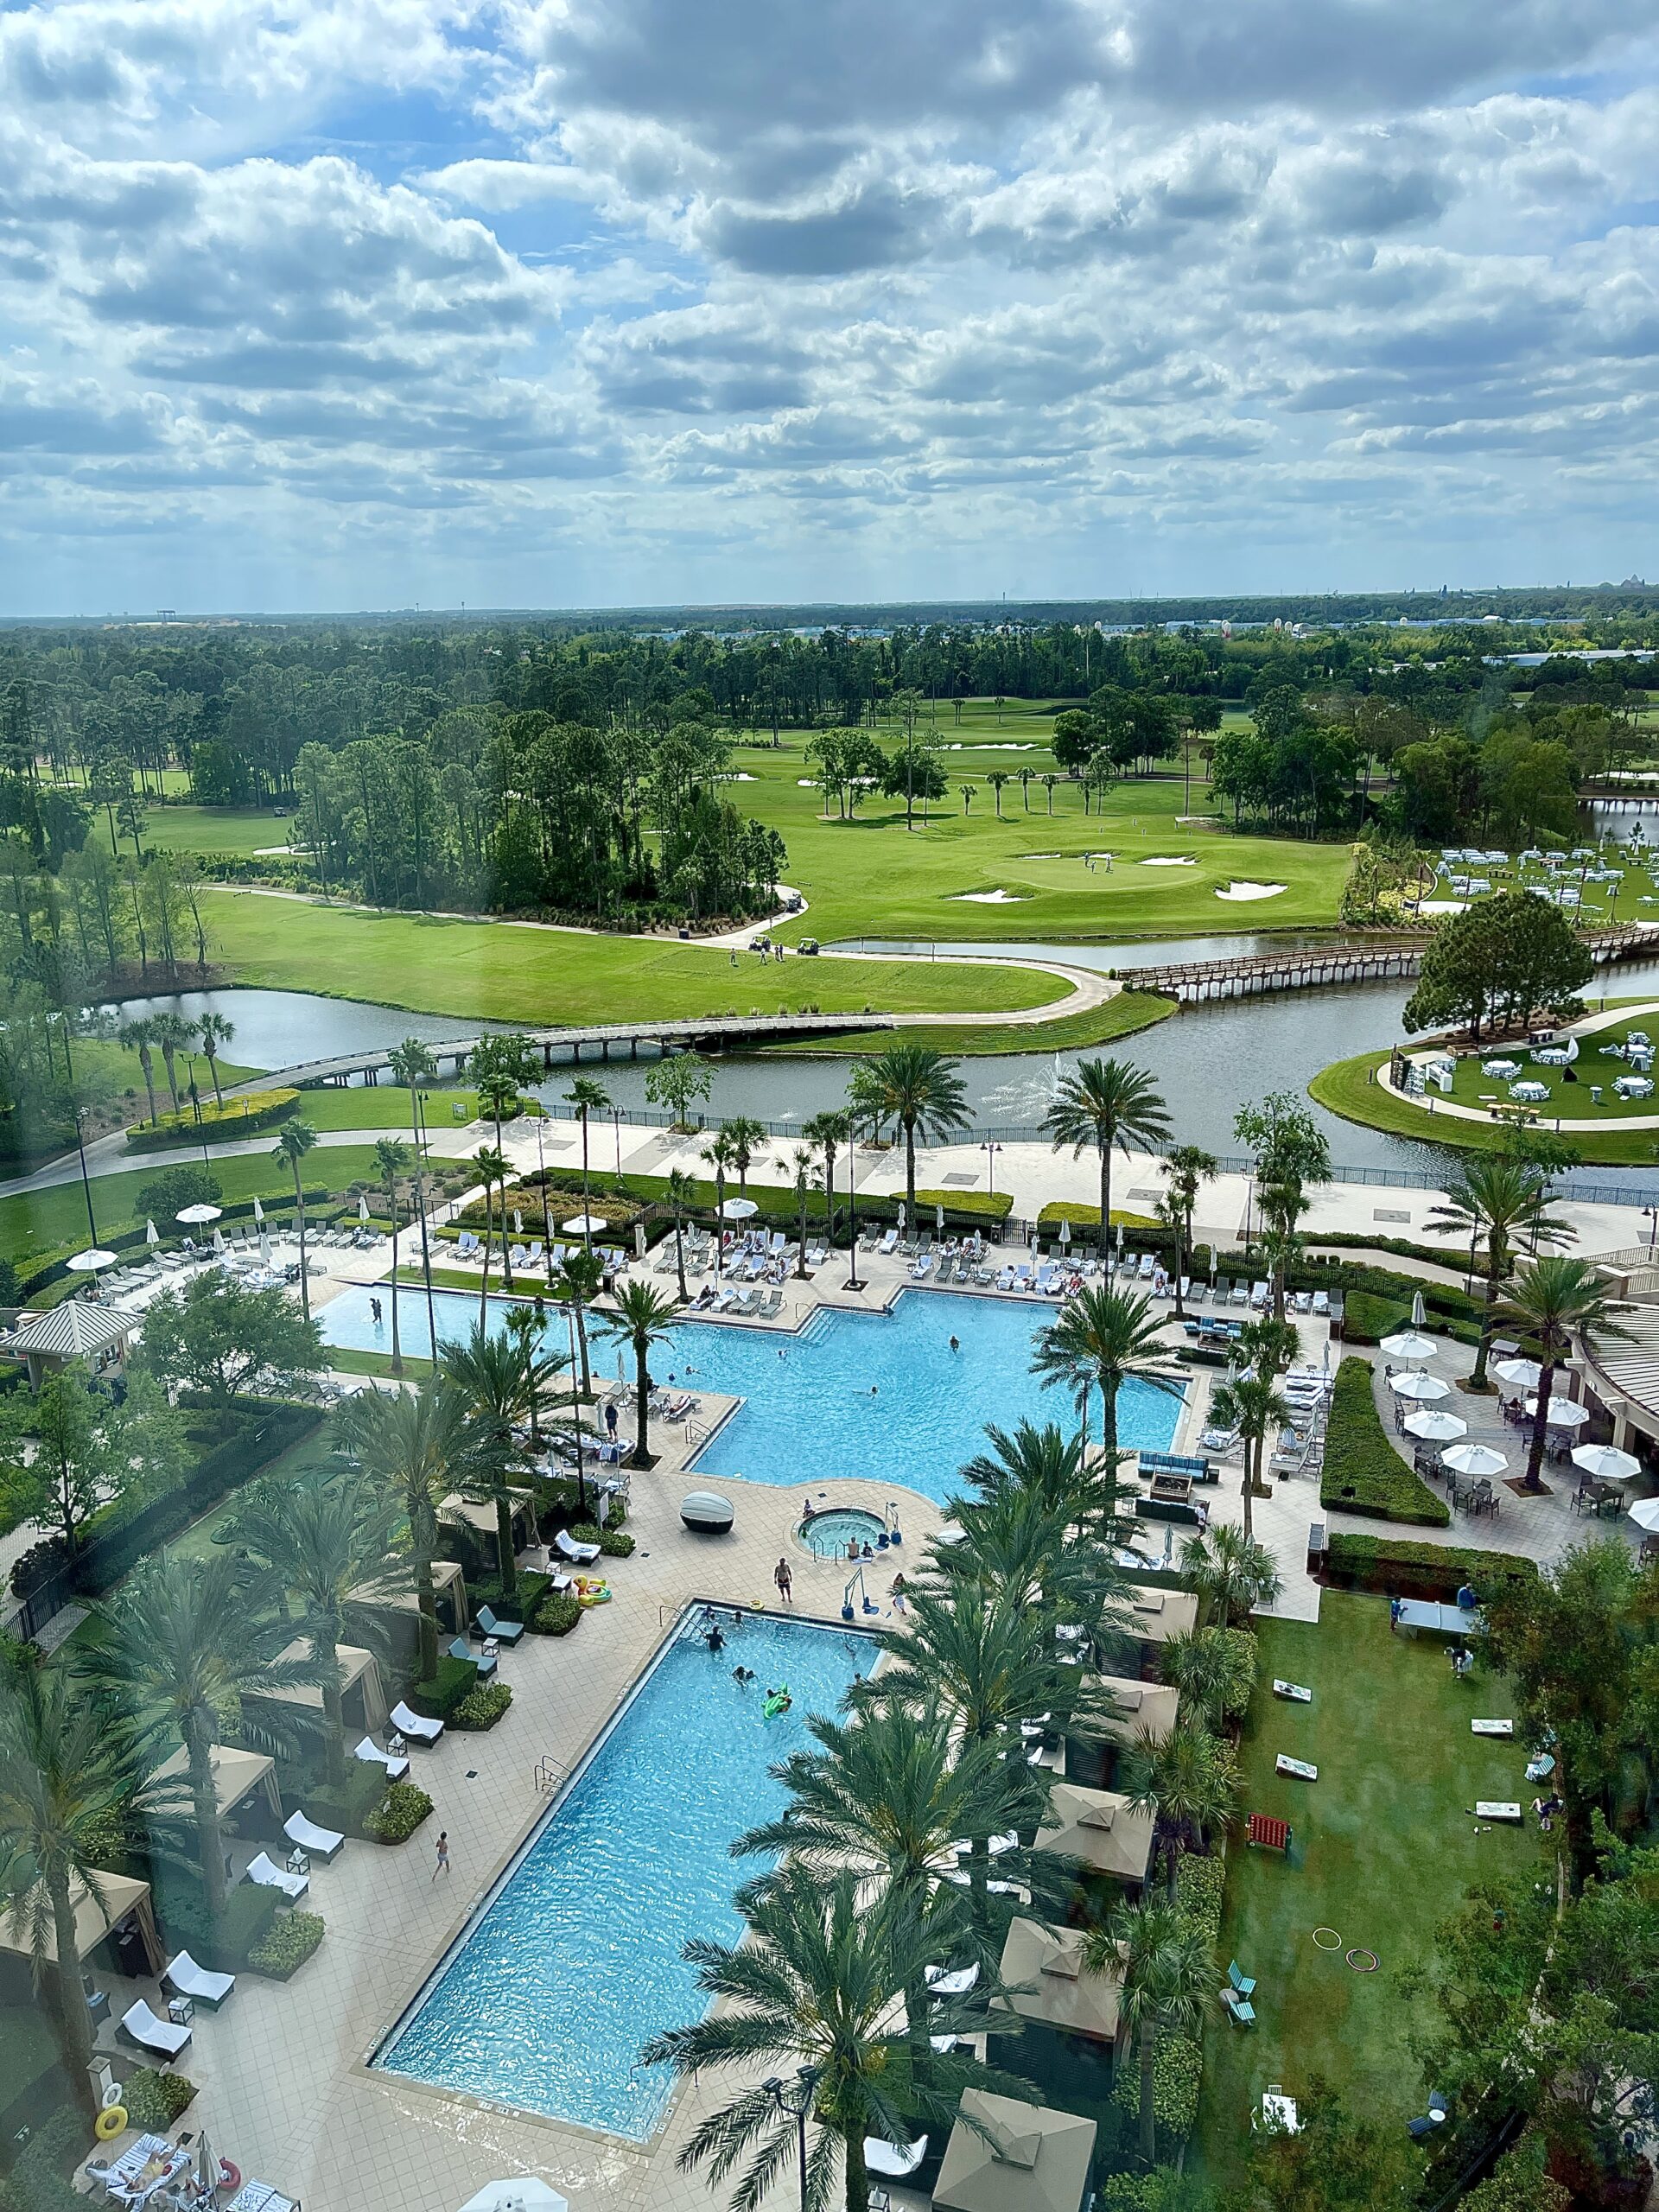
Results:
[1310, 968]
[700, 1033]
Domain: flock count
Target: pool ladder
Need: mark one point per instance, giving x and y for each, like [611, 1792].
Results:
[549, 1775]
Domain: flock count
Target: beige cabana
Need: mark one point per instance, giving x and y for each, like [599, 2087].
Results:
[237, 1775]
[480, 1515]
[1007, 2156]
[1155, 1616]
[125, 1899]
[1141, 1708]
[1101, 1829]
[448, 1587]
[1043, 1971]
[359, 1675]
[79, 1329]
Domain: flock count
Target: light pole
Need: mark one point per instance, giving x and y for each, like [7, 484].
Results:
[795, 2103]
[854, 1281]
[990, 1151]
[1649, 1214]
[86, 1180]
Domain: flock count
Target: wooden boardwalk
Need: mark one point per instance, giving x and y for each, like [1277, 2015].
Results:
[1309, 968]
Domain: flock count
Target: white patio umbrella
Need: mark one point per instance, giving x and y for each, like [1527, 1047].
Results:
[938, 1220]
[583, 1225]
[89, 1262]
[1606, 1464]
[258, 1213]
[1645, 1513]
[1408, 1343]
[518, 1222]
[1474, 1459]
[152, 1234]
[903, 1211]
[1419, 1387]
[1435, 1428]
[363, 1206]
[1564, 1413]
[197, 1217]
[1525, 1374]
[739, 1209]
[264, 1247]
[1066, 1231]
[525, 2194]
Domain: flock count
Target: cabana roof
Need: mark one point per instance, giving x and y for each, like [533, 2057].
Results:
[1100, 1828]
[122, 1895]
[236, 1775]
[78, 1329]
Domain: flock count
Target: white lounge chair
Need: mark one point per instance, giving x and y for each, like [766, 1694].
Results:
[413, 1727]
[192, 1981]
[372, 1755]
[580, 1554]
[266, 1874]
[315, 1842]
[143, 2027]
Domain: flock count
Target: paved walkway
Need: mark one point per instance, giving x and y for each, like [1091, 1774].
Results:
[1596, 1125]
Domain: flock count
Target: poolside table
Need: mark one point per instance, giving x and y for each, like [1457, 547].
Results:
[1440, 1620]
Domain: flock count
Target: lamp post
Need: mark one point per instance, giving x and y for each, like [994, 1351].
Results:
[1649, 1214]
[990, 1151]
[86, 1180]
[795, 2103]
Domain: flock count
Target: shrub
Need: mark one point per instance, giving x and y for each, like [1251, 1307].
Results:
[349, 1807]
[1083, 1217]
[1367, 1319]
[1363, 1473]
[154, 2101]
[237, 1118]
[978, 1205]
[287, 1944]
[438, 1698]
[1176, 2068]
[556, 1616]
[399, 1815]
[39, 2180]
[1405, 1569]
[482, 1708]
[1199, 1883]
[223, 1945]
[1518, 2183]
[614, 1543]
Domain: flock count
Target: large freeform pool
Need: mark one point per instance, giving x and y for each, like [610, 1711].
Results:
[574, 1959]
[875, 1394]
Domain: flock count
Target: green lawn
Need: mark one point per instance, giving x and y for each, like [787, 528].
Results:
[236, 829]
[1119, 1017]
[1384, 1849]
[383, 1107]
[1347, 1087]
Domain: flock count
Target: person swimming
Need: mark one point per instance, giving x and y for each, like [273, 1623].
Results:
[743, 1674]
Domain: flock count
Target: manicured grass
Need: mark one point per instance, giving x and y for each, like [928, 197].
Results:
[383, 1107]
[1118, 1017]
[1383, 1850]
[541, 977]
[236, 829]
[1347, 1087]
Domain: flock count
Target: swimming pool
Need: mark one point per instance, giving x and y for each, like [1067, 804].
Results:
[877, 1394]
[574, 1959]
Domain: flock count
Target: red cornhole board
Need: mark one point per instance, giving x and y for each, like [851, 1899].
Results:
[1275, 1835]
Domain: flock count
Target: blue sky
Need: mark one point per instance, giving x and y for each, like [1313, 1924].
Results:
[358, 303]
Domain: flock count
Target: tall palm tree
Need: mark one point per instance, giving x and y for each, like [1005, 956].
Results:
[174, 1035]
[679, 1194]
[1214, 1670]
[642, 1317]
[215, 1031]
[1231, 1570]
[1187, 1167]
[492, 1166]
[179, 1645]
[828, 1132]
[586, 1096]
[392, 1158]
[801, 1167]
[576, 1285]
[745, 1136]
[1108, 1337]
[1253, 1405]
[1038, 1511]
[413, 1065]
[139, 1037]
[811, 1986]
[66, 1777]
[1554, 1302]
[1106, 1104]
[918, 1090]
[720, 1155]
[497, 1380]
[1502, 1203]
[294, 1140]
[1189, 1779]
[322, 1538]
[408, 1442]
[1164, 1961]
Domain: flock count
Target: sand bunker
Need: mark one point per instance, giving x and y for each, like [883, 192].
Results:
[1169, 860]
[1240, 891]
[989, 897]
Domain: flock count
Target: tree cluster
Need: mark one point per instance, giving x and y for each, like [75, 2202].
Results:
[1498, 963]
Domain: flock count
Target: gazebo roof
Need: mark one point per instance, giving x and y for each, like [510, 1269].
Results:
[1100, 1828]
[1043, 1972]
[237, 1773]
[75, 1330]
[1141, 1708]
[120, 1894]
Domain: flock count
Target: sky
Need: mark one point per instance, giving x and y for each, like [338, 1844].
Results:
[350, 304]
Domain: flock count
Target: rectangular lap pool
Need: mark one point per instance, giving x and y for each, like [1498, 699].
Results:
[574, 1959]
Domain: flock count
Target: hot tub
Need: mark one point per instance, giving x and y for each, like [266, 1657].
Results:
[829, 1533]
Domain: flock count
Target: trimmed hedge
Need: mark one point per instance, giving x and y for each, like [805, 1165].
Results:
[454, 1682]
[286, 1945]
[556, 1616]
[227, 1124]
[154, 2101]
[1082, 1217]
[1363, 1473]
[482, 1708]
[983, 1205]
[1399, 1568]
[398, 1815]
[614, 1543]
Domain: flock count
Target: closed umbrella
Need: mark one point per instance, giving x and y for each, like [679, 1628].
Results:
[638, 1240]
[152, 1234]
[1066, 1232]
[1564, 1413]
[219, 1240]
[1524, 1373]
[1419, 1387]
[1418, 1314]
[258, 1212]
[518, 1222]
[1408, 1343]
[1474, 1459]
[265, 1248]
[1435, 1428]
[363, 1206]
[938, 1220]
[206, 2165]
[903, 1211]
[1606, 1464]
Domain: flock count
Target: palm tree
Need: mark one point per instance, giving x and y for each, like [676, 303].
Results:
[1252, 1404]
[66, 1777]
[1554, 1302]
[919, 1089]
[829, 1131]
[1048, 783]
[294, 1141]
[412, 1063]
[182, 1643]
[745, 1136]
[492, 1169]
[720, 1154]
[1109, 1337]
[1500, 1202]
[1036, 1530]
[215, 1031]
[496, 1379]
[1164, 1961]
[173, 1034]
[320, 1539]
[138, 1037]
[1106, 1104]
[1187, 1167]
[681, 1196]
[1188, 1779]
[586, 1096]
[811, 1988]
[408, 1442]
[577, 1284]
[996, 780]
[1231, 1570]
[392, 1158]
[642, 1317]
[802, 1167]
[1214, 1669]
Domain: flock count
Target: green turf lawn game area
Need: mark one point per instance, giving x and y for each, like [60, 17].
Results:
[1383, 1848]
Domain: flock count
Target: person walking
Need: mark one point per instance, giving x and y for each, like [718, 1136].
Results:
[784, 1580]
[442, 1866]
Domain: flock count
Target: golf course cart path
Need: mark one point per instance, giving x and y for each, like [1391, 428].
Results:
[1441, 1108]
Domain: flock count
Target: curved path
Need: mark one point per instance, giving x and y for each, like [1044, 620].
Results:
[1617, 1125]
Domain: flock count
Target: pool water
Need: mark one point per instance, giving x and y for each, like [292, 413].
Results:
[873, 1394]
[575, 1961]
[827, 1533]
